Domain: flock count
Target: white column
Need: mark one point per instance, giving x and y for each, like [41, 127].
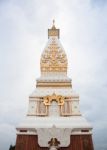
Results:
[54, 109]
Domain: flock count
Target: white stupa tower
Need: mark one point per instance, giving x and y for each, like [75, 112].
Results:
[54, 120]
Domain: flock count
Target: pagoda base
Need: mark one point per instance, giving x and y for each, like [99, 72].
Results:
[78, 142]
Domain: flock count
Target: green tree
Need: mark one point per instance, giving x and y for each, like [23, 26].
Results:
[12, 147]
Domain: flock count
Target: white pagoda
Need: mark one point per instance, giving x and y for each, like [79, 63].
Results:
[54, 120]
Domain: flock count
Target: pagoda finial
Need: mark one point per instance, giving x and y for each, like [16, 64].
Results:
[53, 26]
[53, 31]
[53, 22]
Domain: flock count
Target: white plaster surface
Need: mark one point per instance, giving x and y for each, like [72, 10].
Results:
[60, 122]
[49, 91]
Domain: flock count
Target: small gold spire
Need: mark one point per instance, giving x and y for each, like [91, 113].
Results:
[53, 31]
[53, 27]
[53, 22]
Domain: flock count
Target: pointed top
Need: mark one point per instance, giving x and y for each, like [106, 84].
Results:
[53, 31]
[53, 26]
[53, 22]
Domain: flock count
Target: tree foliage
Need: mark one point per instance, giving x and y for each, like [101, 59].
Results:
[12, 147]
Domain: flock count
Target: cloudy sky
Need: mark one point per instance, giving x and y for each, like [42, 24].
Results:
[23, 35]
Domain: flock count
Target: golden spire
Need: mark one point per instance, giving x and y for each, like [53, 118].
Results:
[53, 58]
[53, 22]
[53, 27]
[53, 31]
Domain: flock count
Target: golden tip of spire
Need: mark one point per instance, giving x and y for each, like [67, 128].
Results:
[53, 31]
[53, 22]
[53, 26]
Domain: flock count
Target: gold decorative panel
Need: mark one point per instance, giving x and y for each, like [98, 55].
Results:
[53, 59]
[58, 98]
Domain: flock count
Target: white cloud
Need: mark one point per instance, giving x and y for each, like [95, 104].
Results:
[8, 135]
